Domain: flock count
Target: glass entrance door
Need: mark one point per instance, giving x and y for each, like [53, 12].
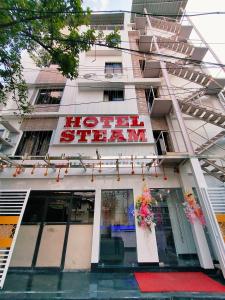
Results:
[175, 242]
[118, 237]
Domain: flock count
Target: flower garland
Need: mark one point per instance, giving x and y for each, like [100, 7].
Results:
[192, 209]
[143, 206]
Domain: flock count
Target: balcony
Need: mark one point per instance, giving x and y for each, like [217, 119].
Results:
[171, 144]
[140, 23]
[199, 53]
[185, 32]
[160, 107]
[157, 105]
[150, 68]
[145, 42]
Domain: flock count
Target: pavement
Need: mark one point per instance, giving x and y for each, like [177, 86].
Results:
[46, 285]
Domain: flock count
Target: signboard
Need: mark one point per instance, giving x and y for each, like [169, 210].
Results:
[102, 129]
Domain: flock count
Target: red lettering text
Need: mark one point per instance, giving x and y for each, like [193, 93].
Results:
[106, 121]
[99, 136]
[117, 135]
[83, 134]
[73, 122]
[135, 120]
[90, 122]
[122, 121]
[67, 136]
[136, 136]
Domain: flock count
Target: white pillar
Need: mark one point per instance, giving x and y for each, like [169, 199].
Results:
[147, 251]
[211, 222]
[201, 244]
[96, 228]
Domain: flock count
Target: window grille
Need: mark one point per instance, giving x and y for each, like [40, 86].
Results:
[114, 95]
[34, 143]
[113, 68]
[49, 96]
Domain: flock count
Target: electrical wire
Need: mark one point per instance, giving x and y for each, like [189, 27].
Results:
[53, 12]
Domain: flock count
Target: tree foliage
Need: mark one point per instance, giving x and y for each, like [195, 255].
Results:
[50, 31]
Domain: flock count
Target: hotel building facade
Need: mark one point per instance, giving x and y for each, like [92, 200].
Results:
[71, 171]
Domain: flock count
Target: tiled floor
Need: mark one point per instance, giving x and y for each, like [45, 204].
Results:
[83, 285]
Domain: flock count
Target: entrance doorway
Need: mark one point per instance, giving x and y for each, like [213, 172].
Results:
[118, 237]
[175, 242]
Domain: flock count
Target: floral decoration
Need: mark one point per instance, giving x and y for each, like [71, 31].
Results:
[144, 213]
[192, 209]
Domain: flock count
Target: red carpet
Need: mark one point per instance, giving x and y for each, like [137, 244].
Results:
[177, 282]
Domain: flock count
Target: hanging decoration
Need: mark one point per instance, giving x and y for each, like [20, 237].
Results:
[58, 176]
[142, 171]
[118, 170]
[67, 167]
[143, 207]
[192, 209]
[156, 174]
[164, 174]
[132, 165]
[92, 174]
[33, 169]
[46, 171]
[100, 167]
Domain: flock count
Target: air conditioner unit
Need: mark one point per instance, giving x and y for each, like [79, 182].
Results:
[89, 75]
[109, 75]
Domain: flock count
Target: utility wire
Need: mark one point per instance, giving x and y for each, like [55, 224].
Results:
[53, 12]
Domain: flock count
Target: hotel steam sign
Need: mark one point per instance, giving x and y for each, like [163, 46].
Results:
[102, 129]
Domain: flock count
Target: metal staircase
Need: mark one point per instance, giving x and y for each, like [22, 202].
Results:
[164, 24]
[210, 142]
[203, 113]
[213, 169]
[188, 74]
[12, 206]
[195, 96]
[173, 45]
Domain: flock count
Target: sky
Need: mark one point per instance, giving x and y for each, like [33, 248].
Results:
[211, 27]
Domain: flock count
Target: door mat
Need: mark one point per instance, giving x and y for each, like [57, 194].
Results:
[177, 282]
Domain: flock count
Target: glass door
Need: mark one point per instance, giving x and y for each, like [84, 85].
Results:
[118, 237]
[175, 242]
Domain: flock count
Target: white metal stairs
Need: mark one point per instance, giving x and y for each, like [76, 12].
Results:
[204, 113]
[188, 74]
[12, 206]
[166, 25]
[210, 142]
[190, 51]
[195, 96]
[217, 197]
[213, 169]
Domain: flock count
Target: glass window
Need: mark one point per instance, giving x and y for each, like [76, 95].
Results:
[114, 95]
[34, 210]
[115, 68]
[49, 96]
[118, 238]
[34, 143]
[57, 210]
[82, 207]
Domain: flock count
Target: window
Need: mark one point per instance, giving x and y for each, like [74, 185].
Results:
[114, 95]
[34, 143]
[49, 96]
[115, 68]
[60, 207]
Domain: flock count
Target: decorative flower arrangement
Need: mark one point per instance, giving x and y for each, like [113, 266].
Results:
[144, 214]
[192, 209]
